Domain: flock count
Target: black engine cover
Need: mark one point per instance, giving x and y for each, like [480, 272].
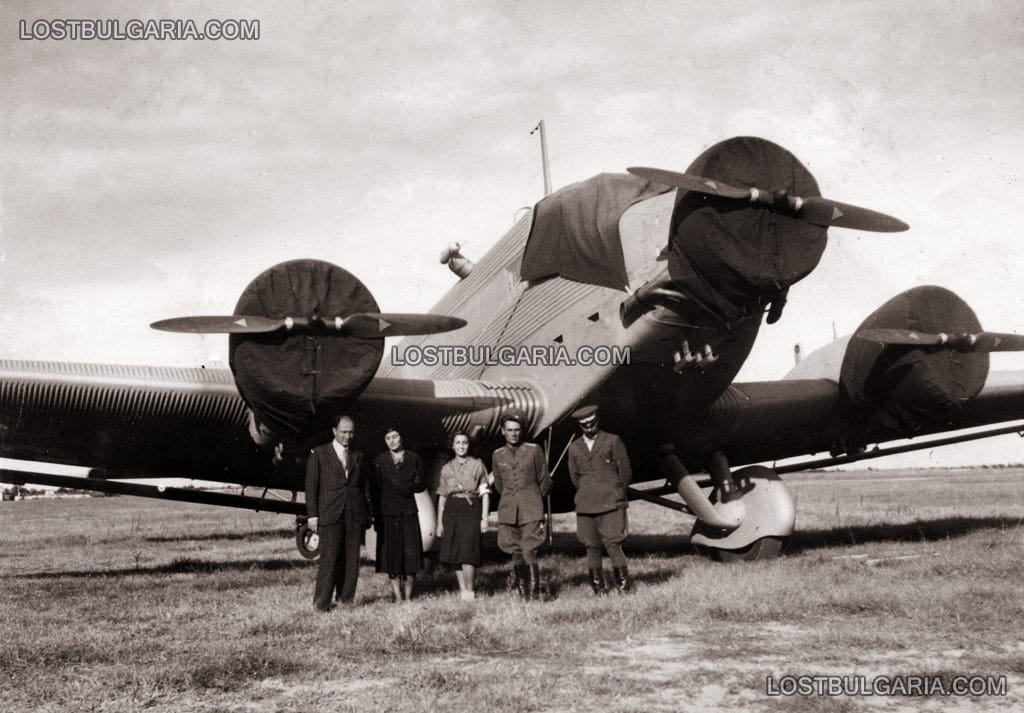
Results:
[734, 256]
[294, 382]
[906, 388]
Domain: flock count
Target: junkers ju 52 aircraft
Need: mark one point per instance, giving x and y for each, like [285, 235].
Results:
[675, 270]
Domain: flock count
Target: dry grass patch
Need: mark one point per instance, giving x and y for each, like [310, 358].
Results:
[121, 604]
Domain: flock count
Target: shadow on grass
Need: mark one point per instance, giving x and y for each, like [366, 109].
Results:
[495, 572]
[808, 540]
[224, 536]
[670, 546]
[495, 575]
[918, 531]
[179, 566]
[490, 581]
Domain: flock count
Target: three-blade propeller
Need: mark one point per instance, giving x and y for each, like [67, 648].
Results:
[814, 209]
[361, 324]
[980, 342]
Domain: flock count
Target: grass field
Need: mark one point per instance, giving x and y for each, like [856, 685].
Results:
[122, 604]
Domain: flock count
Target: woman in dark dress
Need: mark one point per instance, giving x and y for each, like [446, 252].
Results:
[463, 506]
[398, 475]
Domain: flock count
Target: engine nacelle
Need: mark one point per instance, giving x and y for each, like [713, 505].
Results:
[295, 381]
[734, 257]
[906, 387]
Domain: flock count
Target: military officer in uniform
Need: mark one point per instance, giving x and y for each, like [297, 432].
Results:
[337, 497]
[521, 478]
[599, 468]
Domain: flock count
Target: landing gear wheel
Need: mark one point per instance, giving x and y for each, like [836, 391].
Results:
[769, 515]
[765, 548]
[307, 541]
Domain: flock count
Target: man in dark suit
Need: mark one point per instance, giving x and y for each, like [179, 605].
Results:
[337, 496]
[599, 468]
[521, 478]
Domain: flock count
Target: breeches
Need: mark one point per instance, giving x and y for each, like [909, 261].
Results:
[521, 541]
[607, 530]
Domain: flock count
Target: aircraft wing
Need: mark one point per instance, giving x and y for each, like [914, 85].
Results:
[131, 422]
[774, 420]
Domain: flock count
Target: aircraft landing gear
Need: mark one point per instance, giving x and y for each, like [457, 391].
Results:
[742, 516]
[770, 515]
[306, 540]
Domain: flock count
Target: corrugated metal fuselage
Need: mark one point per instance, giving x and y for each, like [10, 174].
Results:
[148, 421]
[645, 400]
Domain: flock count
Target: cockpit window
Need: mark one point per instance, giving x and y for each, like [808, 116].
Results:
[575, 231]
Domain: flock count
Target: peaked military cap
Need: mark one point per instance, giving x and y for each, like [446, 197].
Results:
[513, 416]
[584, 412]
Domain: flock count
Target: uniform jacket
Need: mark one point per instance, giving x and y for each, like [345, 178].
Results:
[521, 478]
[395, 485]
[600, 475]
[331, 493]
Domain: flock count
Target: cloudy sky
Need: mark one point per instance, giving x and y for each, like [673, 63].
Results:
[150, 179]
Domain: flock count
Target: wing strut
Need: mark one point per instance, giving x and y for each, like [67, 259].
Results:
[877, 452]
[203, 497]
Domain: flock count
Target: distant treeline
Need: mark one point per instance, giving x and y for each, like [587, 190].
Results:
[26, 491]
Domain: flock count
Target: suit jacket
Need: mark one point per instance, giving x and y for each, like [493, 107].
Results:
[395, 486]
[332, 494]
[600, 475]
[521, 478]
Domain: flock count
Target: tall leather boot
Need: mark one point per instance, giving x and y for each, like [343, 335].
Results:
[520, 575]
[622, 582]
[597, 581]
[534, 591]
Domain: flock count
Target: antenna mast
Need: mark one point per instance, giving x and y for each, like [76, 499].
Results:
[544, 155]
